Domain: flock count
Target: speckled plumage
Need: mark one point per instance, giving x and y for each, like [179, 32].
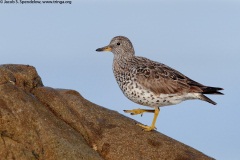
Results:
[151, 83]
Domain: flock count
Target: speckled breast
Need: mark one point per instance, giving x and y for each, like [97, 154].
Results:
[136, 93]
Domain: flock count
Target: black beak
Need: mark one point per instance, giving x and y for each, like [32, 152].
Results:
[99, 49]
[106, 48]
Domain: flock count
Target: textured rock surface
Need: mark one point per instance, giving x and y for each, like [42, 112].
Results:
[38, 122]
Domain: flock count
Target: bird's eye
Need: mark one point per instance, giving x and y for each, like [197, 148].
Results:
[118, 43]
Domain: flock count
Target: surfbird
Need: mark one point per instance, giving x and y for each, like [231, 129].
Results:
[151, 83]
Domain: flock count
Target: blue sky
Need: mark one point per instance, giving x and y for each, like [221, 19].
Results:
[199, 38]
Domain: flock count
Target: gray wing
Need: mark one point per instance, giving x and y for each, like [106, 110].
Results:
[162, 79]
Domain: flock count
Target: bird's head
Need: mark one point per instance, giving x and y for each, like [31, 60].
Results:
[119, 46]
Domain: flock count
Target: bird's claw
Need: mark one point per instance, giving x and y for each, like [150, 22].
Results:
[146, 128]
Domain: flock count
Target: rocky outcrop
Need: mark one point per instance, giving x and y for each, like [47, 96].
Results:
[44, 123]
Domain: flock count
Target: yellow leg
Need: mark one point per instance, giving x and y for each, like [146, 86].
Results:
[139, 111]
[152, 127]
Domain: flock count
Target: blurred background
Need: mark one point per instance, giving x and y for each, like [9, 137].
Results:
[200, 38]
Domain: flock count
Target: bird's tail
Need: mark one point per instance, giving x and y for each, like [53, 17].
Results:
[210, 90]
[205, 98]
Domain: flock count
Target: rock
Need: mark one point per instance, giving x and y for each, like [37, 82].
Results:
[38, 122]
[23, 76]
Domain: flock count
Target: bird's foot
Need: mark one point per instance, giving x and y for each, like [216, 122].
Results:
[137, 111]
[146, 128]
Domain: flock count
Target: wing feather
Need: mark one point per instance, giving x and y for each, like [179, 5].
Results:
[162, 79]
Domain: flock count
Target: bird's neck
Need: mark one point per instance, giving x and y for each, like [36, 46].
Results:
[121, 62]
[126, 57]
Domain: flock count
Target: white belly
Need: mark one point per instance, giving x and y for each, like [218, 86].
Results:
[148, 98]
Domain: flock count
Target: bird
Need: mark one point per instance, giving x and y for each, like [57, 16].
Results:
[150, 83]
